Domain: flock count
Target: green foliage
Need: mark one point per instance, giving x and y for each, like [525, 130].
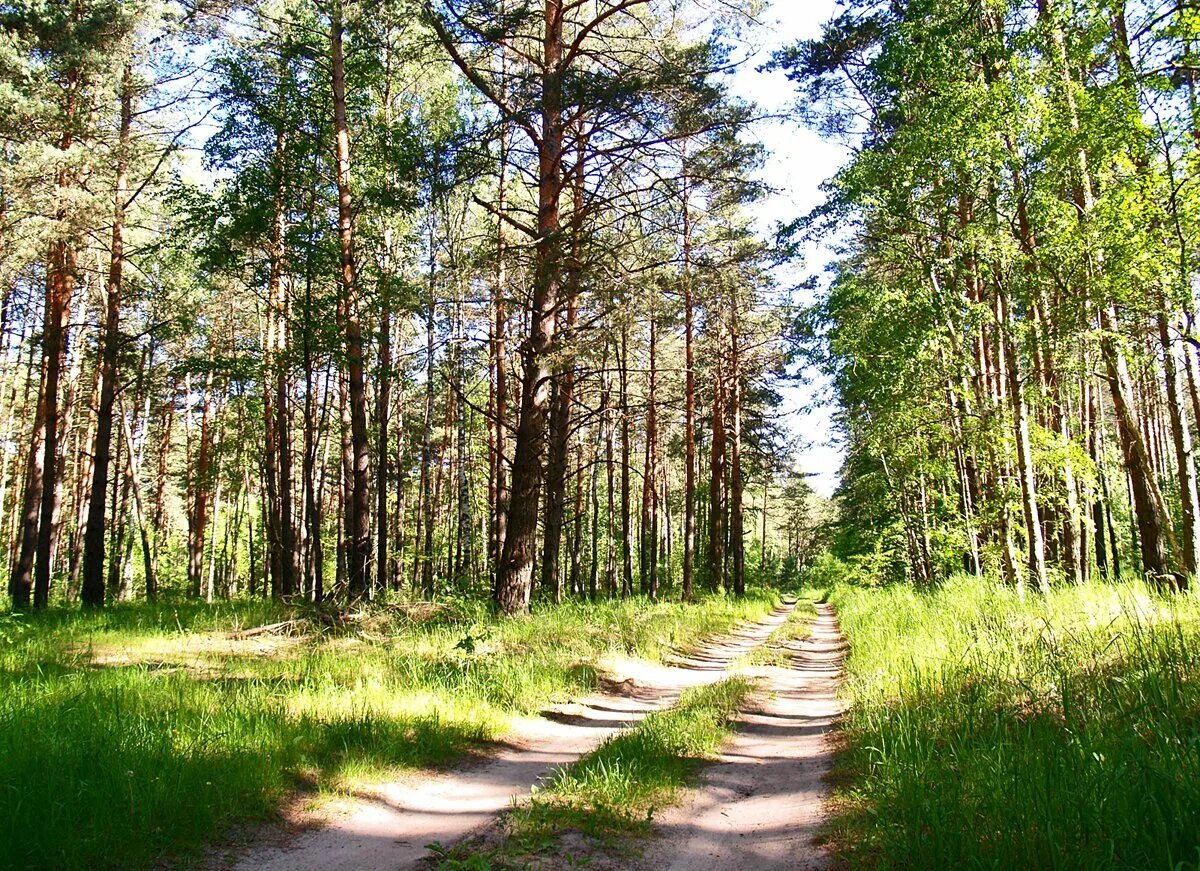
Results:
[1016, 172]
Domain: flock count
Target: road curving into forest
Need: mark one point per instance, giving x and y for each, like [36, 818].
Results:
[390, 826]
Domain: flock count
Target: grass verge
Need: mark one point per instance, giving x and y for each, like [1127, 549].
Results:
[140, 733]
[614, 791]
[1057, 733]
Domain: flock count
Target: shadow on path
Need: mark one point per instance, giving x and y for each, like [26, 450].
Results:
[760, 805]
[388, 827]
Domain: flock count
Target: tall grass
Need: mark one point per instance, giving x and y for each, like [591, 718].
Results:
[141, 732]
[986, 732]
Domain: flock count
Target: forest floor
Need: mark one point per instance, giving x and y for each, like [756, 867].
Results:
[761, 804]
[180, 724]
[730, 777]
[767, 781]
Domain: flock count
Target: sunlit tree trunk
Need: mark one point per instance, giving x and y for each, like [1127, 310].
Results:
[357, 511]
[516, 565]
[1181, 434]
[716, 482]
[648, 563]
[626, 532]
[201, 480]
[92, 592]
[60, 289]
[689, 403]
[737, 534]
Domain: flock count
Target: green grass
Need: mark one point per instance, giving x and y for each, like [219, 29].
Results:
[777, 650]
[614, 791]
[142, 732]
[1062, 732]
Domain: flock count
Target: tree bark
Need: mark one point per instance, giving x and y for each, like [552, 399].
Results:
[716, 501]
[357, 512]
[1020, 410]
[737, 536]
[648, 563]
[92, 592]
[383, 410]
[201, 479]
[426, 521]
[689, 393]
[515, 575]
[556, 466]
[60, 289]
[1181, 435]
[626, 533]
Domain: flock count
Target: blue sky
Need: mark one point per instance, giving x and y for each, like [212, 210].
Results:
[799, 162]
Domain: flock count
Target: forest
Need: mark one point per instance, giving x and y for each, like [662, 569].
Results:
[486, 308]
[400, 464]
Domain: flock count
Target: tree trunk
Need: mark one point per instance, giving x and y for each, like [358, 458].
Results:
[1181, 435]
[92, 592]
[60, 288]
[1020, 411]
[515, 574]
[358, 540]
[383, 402]
[610, 563]
[626, 534]
[716, 501]
[499, 423]
[737, 536]
[133, 471]
[426, 519]
[689, 393]
[648, 563]
[556, 465]
[201, 478]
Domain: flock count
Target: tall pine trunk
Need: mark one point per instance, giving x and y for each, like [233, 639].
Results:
[716, 485]
[689, 394]
[1181, 435]
[60, 289]
[357, 510]
[92, 592]
[737, 534]
[514, 578]
[648, 563]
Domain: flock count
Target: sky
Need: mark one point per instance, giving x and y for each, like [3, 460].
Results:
[799, 161]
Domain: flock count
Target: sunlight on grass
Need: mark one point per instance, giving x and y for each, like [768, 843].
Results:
[1062, 732]
[153, 722]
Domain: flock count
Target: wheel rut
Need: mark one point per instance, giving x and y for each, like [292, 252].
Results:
[760, 805]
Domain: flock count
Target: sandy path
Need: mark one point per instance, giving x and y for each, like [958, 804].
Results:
[388, 827]
[759, 806]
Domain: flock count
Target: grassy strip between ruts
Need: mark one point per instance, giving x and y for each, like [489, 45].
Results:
[778, 650]
[615, 790]
[140, 732]
[1060, 732]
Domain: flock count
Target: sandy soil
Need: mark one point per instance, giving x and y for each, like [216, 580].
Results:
[390, 825]
[759, 806]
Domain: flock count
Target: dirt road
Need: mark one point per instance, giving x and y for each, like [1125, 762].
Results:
[388, 826]
[758, 807]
